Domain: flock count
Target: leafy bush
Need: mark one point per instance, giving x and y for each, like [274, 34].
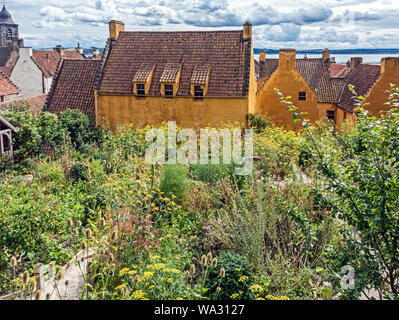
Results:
[257, 122]
[237, 280]
[175, 182]
[210, 173]
[79, 172]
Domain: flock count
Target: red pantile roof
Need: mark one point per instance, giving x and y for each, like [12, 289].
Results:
[143, 72]
[7, 87]
[47, 60]
[171, 72]
[362, 77]
[337, 70]
[35, 104]
[200, 74]
[73, 87]
[6, 70]
[226, 52]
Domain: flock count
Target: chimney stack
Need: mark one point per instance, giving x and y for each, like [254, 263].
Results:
[60, 50]
[79, 49]
[390, 66]
[354, 62]
[287, 59]
[326, 55]
[247, 34]
[96, 52]
[115, 27]
[262, 56]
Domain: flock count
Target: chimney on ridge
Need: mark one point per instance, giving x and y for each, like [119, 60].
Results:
[287, 59]
[60, 50]
[262, 56]
[390, 66]
[354, 62]
[247, 34]
[115, 27]
[326, 55]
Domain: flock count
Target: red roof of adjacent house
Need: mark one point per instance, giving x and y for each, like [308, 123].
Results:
[337, 70]
[6, 70]
[226, 53]
[7, 88]
[34, 104]
[362, 77]
[73, 86]
[48, 60]
[315, 72]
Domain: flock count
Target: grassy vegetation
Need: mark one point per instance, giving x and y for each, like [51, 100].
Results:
[193, 232]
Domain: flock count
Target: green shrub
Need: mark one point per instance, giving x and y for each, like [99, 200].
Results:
[174, 181]
[257, 122]
[79, 172]
[210, 173]
[237, 280]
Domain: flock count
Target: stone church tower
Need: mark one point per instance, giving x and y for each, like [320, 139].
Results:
[9, 39]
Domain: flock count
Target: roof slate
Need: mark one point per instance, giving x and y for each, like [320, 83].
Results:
[73, 87]
[225, 51]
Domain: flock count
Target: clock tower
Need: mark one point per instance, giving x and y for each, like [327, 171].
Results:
[9, 37]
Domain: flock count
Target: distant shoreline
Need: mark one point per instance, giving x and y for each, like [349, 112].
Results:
[336, 51]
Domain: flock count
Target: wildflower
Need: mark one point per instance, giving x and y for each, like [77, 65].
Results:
[234, 296]
[25, 277]
[113, 235]
[243, 279]
[214, 263]
[75, 231]
[192, 270]
[78, 223]
[218, 289]
[38, 295]
[256, 288]
[139, 294]
[147, 275]
[84, 245]
[88, 233]
[204, 261]
[67, 283]
[136, 279]
[48, 296]
[111, 257]
[121, 286]
[146, 229]
[60, 274]
[69, 222]
[222, 273]
[123, 271]
[170, 280]
[210, 257]
[13, 262]
[33, 285]
[102, 222]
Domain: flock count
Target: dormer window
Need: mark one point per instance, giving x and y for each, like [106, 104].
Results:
[198, 92]
[142, 79]
[331, 115]
[199, 81]
[170, 79]
[169, 90]
[140, 89]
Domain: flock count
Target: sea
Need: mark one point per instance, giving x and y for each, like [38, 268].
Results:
[340, 58]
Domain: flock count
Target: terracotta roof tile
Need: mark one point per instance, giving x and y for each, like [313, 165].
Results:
[48, 60]
[170, 72]
[363, 78]
[143, 72]
[225, 51]
[200, 74]
[73, 87]
[35, 104]
[6, 70]
[338, 70]
[7, 87]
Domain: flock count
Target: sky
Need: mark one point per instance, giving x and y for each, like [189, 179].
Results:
[300, 24]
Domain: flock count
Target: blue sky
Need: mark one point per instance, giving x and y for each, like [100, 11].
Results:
[302, 24]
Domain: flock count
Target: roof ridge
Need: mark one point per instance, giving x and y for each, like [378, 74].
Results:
[9, 80]
[53, 85]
